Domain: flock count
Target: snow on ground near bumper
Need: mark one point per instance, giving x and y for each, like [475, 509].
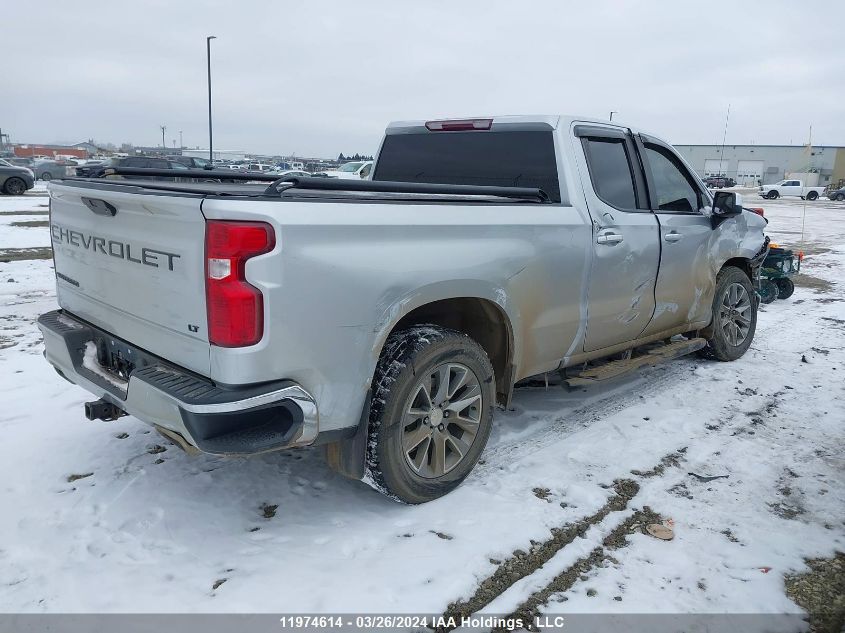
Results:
[29, 208]
[144, 530]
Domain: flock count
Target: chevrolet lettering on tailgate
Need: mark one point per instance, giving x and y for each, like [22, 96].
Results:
[115, 248]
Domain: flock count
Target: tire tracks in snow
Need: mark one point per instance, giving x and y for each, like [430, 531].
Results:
[529, 610]
[523, 564]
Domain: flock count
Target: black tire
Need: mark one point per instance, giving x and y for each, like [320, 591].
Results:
[840, 197]
[768, 291]
[773, 195]
[812, 195]
[408, 357]
[719, 343]
[15, 187]
[46, 176]
[785, 288]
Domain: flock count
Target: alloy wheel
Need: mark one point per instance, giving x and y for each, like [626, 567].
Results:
[734, 314]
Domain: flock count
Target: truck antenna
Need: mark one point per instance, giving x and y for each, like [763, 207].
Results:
[724, 136]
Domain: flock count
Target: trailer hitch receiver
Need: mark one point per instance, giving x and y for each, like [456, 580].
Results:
[102, 410]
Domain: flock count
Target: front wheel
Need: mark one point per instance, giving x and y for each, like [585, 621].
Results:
[773, 195]
[734, 317]
[840, 197]
[433, 394]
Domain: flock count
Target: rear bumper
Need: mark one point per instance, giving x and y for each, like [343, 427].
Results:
[214, 418]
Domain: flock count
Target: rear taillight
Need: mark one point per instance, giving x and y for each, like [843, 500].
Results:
[461, 125]
[235, 308]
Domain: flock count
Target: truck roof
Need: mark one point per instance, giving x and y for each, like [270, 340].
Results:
[504, 122]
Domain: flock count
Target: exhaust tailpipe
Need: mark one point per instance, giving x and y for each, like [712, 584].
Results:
[102, 410]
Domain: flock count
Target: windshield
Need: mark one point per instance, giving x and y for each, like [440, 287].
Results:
[504, 159]
[6, 163]
[350, 167]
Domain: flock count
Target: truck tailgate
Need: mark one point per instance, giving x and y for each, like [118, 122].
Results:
[133, 264]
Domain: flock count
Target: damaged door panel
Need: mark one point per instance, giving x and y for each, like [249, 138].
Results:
[626, 248]
[685, 283]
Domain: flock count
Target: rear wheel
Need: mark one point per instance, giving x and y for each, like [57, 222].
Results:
[433, 394]
[768, 291]
[734, 316]
[785, 288]
[15, 187]
[46, 176]
[773, 195]
[840, 197]
[812, 195]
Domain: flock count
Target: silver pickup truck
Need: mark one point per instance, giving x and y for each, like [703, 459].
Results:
[385, 318]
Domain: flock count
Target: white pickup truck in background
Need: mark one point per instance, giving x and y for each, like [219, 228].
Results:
[356, 170]
[790, 188]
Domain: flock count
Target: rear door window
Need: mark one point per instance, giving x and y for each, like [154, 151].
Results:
[485, 158]
[610, 171]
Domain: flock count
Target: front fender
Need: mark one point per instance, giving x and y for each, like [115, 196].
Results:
[740, 236]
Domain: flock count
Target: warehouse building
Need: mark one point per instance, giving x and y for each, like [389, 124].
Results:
[751, 165]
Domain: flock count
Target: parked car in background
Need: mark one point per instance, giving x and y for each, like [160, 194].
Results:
[50, 169]
[15, 180]
[19, 161]
[260, 167]
[837, 194]
[718, 182]
[356, 170]
[193, 162]
[89, 165]
[292, 173]
[147, 162]
[790, 188]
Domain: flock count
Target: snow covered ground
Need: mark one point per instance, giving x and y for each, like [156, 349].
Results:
[112, 517]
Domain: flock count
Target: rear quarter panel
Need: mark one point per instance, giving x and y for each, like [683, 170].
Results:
[344, 274]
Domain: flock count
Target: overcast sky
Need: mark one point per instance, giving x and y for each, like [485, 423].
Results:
[319, 78]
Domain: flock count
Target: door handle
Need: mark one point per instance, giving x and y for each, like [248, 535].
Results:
[674, 236]
[609, 238]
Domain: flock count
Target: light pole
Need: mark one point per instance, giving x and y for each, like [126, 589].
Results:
[612, 112]
[208, 57]
[163, 128]
[181, 145]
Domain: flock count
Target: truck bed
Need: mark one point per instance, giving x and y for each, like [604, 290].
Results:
[303, 189]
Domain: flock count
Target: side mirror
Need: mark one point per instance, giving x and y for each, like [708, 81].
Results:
[726, 204]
